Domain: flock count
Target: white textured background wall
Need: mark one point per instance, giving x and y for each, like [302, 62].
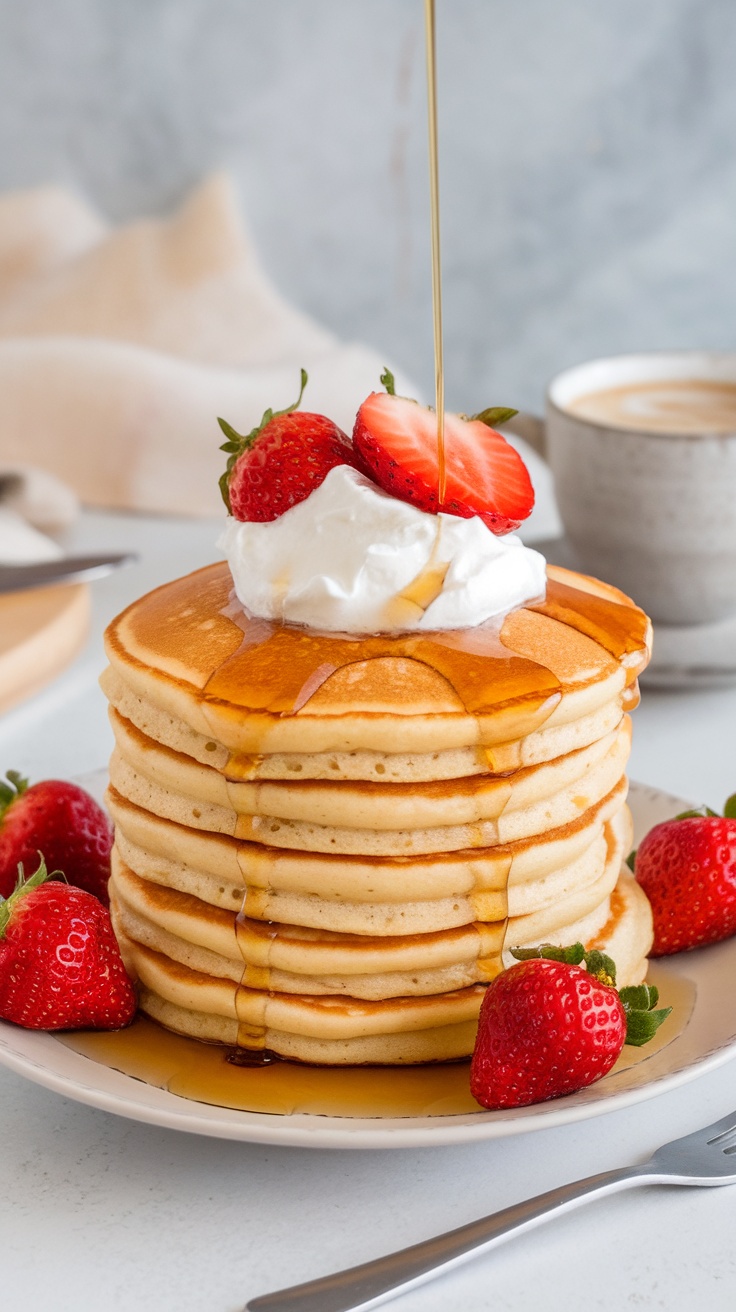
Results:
[588, 160]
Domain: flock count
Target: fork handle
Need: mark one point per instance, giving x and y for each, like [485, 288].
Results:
[366, 1286]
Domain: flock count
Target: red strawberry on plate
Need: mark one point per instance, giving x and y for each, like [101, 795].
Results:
[60, 965]
[59, 819]
[484, 475]
[281, 461]
[687, 868]
[554, 1023]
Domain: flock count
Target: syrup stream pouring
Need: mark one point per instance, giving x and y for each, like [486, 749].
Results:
[706, 1157]
[434, 198]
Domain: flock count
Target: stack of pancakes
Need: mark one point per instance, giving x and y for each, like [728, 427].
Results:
[326, 846]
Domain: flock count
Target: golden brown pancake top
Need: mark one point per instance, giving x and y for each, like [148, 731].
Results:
[193, 634]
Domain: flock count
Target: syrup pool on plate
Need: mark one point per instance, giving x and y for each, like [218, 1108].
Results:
[202, 1072]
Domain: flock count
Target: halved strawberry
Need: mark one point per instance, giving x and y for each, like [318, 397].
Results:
[281, 460]
[484, 475]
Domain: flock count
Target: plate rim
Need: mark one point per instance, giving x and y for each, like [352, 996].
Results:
[43, 1059]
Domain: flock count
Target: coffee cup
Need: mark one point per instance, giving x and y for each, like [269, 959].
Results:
[643, 453]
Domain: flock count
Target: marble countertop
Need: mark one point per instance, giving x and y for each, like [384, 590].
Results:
[101, 1212]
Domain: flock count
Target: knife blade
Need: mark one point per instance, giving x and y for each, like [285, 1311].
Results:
[43, 573]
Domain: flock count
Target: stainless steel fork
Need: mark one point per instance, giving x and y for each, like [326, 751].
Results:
[706, 1157]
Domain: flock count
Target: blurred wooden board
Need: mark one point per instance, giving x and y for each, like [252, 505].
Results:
[40, 633]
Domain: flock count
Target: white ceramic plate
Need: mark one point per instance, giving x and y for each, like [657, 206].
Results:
[708, 1040]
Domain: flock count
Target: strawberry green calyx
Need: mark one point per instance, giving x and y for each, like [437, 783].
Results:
[597, 964]
[22, 888]
[601, 967]
[637, 1000]
[12, 790]
[642, 1021]
[491, 417]
[571, 956]
[237, 443]
[494, 416]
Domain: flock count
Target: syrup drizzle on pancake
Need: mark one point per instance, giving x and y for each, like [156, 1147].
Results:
[618, 628]
[277, 669]
[258, 674]
[251, 1049]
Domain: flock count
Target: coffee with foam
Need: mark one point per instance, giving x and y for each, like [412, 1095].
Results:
[671, 405]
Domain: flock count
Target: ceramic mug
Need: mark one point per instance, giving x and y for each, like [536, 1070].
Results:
[650, 510]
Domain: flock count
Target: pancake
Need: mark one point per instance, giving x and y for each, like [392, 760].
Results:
[361, 804]
[256, 686]
[218, 869]
[338, 1030]
[327, 845]
[586, 783]
[457, 900]
[380, 767]
[291, 958]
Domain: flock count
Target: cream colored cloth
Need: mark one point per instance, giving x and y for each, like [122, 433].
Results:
[119, 348]
[32, 505]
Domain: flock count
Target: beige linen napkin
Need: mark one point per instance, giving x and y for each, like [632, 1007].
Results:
[119, 348]
[32, 504]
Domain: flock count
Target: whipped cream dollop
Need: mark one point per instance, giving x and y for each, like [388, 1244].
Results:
[351, 558]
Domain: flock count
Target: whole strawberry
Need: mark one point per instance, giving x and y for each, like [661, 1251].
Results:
[687, 868]
[60, 965]
[59, 819]
[554, 1023]
[281, 461]
[484, 475]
